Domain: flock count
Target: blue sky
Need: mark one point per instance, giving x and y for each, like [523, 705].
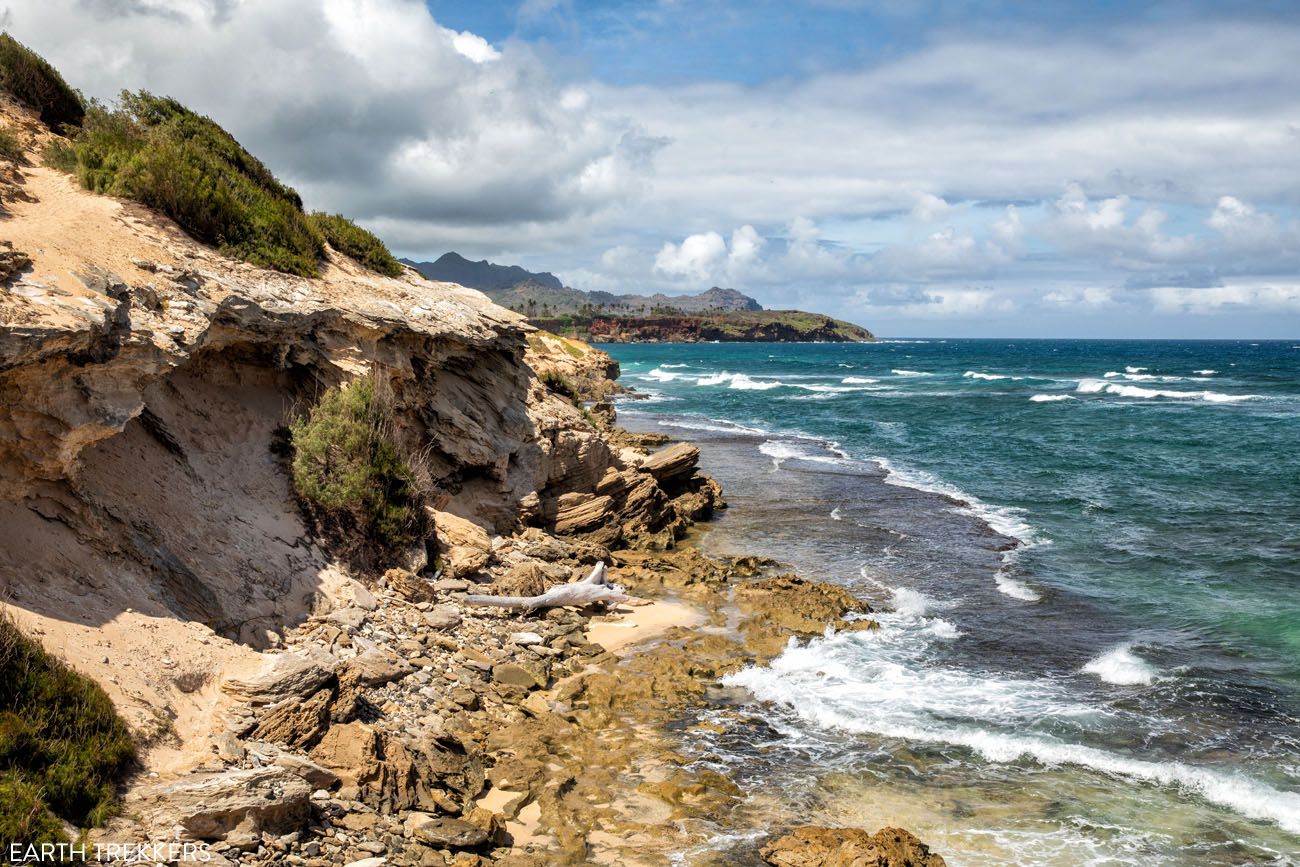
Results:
[940, 167]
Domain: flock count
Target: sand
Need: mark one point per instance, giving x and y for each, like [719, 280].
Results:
[627, 626]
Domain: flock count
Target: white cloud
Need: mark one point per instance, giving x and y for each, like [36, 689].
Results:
[1256, 297]
[929, 207]
[1089, 298]
[370, 107]
[1076, 223]
[697, 258]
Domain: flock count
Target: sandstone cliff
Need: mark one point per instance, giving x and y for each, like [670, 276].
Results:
[142, 380]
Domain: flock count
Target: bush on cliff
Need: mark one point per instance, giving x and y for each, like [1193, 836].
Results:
[355, 242]
[33, 82]
[157, 152]
[353, 478]
[63, 748]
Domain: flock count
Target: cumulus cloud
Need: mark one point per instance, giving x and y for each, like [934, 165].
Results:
[372, 108]
[1076, 223]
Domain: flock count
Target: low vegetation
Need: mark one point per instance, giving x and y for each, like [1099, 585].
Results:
[10, 147]
[33, 82]
[63, 748]
[157, 152]
[360, 489]
[353, 241]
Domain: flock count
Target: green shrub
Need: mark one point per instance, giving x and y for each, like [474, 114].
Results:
[156, 151]
[28, 78]
[557, 383]
[10, 147]
[353, 241]
[353, 478]
[63, 748]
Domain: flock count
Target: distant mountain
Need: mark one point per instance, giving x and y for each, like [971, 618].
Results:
[542, 294]
[715, 314]
[482, 275]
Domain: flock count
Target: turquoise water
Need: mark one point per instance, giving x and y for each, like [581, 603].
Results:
[1088, 554]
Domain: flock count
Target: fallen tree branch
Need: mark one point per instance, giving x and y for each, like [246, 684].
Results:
[595, 588]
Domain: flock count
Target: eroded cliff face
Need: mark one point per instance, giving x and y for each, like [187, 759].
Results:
[142, 381]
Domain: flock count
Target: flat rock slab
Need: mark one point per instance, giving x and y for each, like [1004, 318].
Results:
[281, 676]
[235, 806]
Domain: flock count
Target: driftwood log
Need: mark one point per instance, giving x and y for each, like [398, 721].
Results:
[595, 588]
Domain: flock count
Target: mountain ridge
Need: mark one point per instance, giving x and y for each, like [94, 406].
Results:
[714, 314]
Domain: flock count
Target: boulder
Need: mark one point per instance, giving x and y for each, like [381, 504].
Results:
[408, 585]
[281, 676]
[236, 806]
[675, 462]
[294, 722]
[849, 847]
[463, 546]
[390, 775]
[529, 674]
[441, 618]
[376, 666]
[577, 512]
[442, 832]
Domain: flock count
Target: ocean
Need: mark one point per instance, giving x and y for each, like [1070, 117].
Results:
[1085, 558]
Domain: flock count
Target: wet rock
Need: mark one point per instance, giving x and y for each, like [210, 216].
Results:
[849, 847]
[787, 604]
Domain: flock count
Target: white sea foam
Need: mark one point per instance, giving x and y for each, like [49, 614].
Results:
[660, 375]
[738, 381]
[1120, 665]
[1049, 398]
[714, 425]
[898, 372]
[666, 366]
[1205, 372]
[1135, 369]
[1005, 520]
[975, 374]
[1098, 386]
[781, 450]
[835, 514]
[858, 380]
[1014, 587]
[883, 682]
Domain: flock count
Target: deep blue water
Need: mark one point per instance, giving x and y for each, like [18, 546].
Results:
[1090, 556]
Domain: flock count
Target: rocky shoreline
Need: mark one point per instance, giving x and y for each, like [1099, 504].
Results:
[418, 729]
[289, 709]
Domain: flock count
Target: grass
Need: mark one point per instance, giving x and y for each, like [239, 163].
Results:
[10, 147]
[355, 242]
[353, 478]
[63, 748]
[33, 82]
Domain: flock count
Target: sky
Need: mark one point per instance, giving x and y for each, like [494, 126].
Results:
[921, 167]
